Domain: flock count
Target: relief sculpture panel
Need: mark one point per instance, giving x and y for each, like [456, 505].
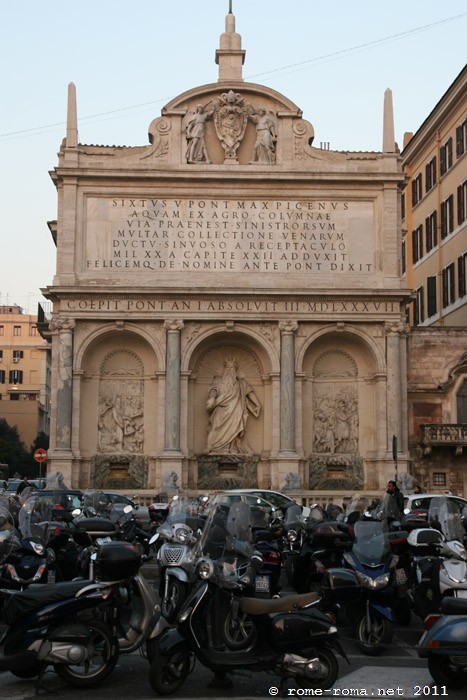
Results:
[121, 404]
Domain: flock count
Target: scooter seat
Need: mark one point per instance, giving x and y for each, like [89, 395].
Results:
[290, 603]
[454, 606]
[24, 602]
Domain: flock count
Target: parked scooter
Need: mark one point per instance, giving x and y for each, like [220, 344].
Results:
[289, 636]
[439, 567]
[444, 643]
[175, 556]
[57, 625]
[374, 566]
[323, 547]
[30, 560]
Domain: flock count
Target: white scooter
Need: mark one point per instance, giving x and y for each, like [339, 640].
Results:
[439, 567]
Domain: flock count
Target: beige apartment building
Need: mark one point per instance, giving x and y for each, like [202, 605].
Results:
[25, 374]
[434, 256]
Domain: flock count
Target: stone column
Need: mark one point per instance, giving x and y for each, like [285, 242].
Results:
[172, 385]
[287, 385]
[64, 383]
[395, 398]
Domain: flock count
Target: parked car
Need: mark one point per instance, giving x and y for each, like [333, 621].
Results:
[420, 502]
[263, 511]
[279, 500]
[13, 484]
[417, 501]
[119, 501]
[70, 499]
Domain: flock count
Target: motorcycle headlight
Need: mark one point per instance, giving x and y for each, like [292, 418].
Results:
[182, 534]
[373, 583]
[292, 536]
[37, 547]
[452, 578]
[205, 569]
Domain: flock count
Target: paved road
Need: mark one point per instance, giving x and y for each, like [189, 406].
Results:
[398, 672]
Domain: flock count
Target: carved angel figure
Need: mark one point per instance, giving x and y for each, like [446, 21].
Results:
[264, 150]
[194, 124]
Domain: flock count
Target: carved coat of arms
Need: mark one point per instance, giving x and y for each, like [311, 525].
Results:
[230, 121]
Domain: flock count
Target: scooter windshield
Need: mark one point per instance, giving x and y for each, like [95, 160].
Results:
[371, 546]
[444, 515]
[357, 506]
[181, 522]
[228, 530]
[7, 532]
[292, 517]
[34, 519]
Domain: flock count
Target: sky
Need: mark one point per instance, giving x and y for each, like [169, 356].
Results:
[333, 58]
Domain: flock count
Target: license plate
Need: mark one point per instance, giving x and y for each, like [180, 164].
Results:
[461, 593]
[103, 540]
[401, 577]
[262, 584]
[51, 576]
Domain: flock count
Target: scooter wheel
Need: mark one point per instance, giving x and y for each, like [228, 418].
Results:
[330, 672]
[239, 632]
[445, 671]
[169, 672]
[374, 638]
[102, 647]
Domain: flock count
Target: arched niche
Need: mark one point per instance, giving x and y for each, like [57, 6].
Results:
[206, 365]
[119, 396]
[339, 422]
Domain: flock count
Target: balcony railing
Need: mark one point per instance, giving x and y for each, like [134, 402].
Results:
[44, 315]
[443, 434]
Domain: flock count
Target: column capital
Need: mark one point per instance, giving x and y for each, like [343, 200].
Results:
[288, 327]
[173, 324]
[396, 328]
[62, 324]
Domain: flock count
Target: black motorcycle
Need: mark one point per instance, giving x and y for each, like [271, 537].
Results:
[286, 636]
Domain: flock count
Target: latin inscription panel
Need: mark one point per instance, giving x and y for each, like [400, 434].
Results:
[236, 236]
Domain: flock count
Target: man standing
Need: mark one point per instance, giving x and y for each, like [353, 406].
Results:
[23, 485]
[393, 502]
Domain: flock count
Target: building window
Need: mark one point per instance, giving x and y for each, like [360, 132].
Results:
[16, 330]
[403, 256]
[15, 376]
[447, 216]
[449, 288]
[445, 156]
[416, 189]
[461, 139]
[33, 330]
[462, 203]
[17, 355]
[419, 307]
[1, 355]
[2, 376]
[2, 330]
[432, 303]
[430, 175]
[417, 243]
[461, 399]
[431, 231]
[461, 272]
[403, 206]
[439, 478]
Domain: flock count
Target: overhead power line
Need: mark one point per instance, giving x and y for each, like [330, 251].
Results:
[301, 65]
